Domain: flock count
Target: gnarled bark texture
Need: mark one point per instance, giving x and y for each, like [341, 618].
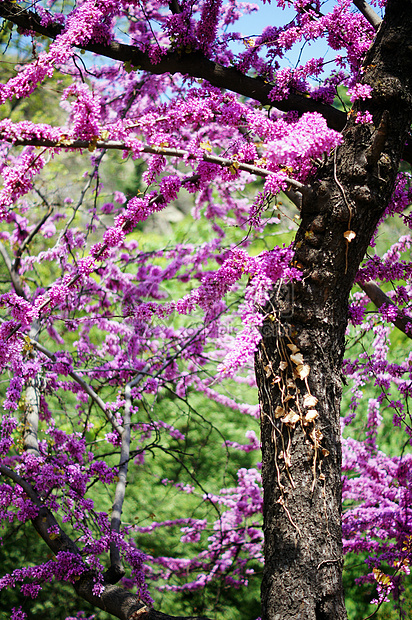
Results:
[303, 341]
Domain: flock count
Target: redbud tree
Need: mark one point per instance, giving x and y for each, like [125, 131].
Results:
[94, 325]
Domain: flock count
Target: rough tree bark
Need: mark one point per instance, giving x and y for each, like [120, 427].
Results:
[298, 366]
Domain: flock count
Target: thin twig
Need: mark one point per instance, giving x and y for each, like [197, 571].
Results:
[116, 570]
[342, 191]
[36, 229]
[89, 390]
[85, 189]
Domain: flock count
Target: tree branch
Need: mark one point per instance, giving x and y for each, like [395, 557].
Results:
[31, 418]
[13, 266]
[379, 298]
[89, 390]
[225, 162]
[32, 407]
[15, 280]
[116, 570]
[194, 64]
[368, 12]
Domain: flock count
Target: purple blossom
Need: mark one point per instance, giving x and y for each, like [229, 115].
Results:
[360, 91]
[17, 614]
[364, 118]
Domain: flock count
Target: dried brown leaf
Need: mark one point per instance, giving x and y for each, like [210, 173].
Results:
[309, 401]
[311, 415]
[349, 235]
[297, 358]
[291, 418]
[302, 371]
[293, 348]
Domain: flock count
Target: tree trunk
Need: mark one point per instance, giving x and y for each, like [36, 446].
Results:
[298, 365]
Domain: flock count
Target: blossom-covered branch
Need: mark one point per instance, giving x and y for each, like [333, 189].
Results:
[137, 147]
[69, 565]
[194, 64]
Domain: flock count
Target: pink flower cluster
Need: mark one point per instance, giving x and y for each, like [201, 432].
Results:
[84, 112]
